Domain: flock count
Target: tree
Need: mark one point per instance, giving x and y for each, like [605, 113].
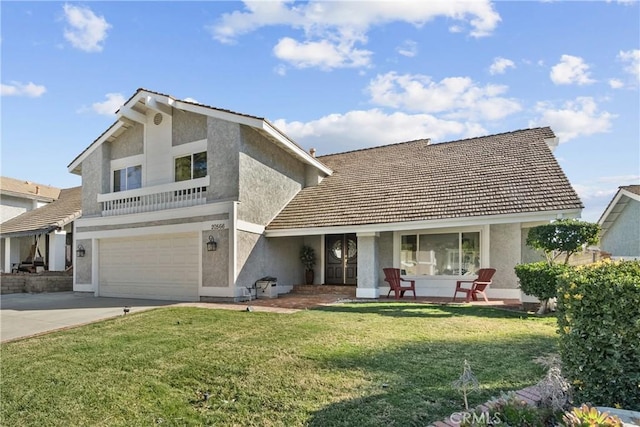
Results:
[561, 237]
[564, 236]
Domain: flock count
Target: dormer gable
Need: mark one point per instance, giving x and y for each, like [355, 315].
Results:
[153, 109]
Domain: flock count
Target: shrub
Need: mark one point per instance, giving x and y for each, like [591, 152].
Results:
[508, 410]
[599, 326]
[539, 278]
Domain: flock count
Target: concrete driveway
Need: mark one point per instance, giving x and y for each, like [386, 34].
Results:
[24, 315]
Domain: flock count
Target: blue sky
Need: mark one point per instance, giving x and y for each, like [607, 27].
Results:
[335, 76]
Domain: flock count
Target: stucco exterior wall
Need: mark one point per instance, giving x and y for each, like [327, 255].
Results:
[269, 178]
[259, 257]
[623, 237]
[95, 179]
[130, 143]
[222, 159]
[505, 253]
[251, 256]
[215, 265]
[82, 266]
[188, 127]
[312, 176]
[529, 254]
[385, 255]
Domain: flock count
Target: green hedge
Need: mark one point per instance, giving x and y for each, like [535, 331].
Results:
[599, 326]
[539, 278]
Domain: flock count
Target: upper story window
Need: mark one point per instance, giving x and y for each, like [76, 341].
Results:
[440, 254]
[127, 178]
[191, 166]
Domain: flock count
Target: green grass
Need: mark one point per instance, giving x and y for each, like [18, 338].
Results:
[360, 364]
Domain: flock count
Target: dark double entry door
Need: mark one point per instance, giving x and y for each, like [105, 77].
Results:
[341, 259]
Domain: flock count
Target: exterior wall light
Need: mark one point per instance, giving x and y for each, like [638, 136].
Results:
[80, 251]
[211, 244]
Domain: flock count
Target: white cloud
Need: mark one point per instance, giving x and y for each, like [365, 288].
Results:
[616, 83]
[632, 60]
[322, 54]
[500, 65]
[574, 119]
[365, 128]
[280, 70]
[331, 30]
[570, 70]
[318, 16]
[454, 97]
[86, 30]
[30, 89]
[110, 106]
[408, 48]
[187, 99]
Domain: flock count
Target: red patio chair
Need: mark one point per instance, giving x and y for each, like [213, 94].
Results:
[477, 286]
[392, 276]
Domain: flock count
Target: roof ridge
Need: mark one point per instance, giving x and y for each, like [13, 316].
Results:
[194, 103]
[437, 143]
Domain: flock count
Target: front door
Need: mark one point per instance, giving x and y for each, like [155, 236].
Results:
[341, 259]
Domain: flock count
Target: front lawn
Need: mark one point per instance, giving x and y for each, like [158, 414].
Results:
[371, 364]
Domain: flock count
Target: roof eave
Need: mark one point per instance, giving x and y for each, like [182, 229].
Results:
[156, 101]
[294, 148]
[524, 217]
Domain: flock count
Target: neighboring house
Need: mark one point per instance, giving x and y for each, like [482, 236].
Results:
[620, 223]
[18, 196]
[171, 180]
[45, 232]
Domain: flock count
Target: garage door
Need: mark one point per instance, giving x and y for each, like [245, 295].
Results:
[156, 267]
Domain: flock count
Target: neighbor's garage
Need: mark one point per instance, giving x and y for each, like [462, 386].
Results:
[162, 267]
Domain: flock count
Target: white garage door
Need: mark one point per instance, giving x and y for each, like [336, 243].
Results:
[156, 267]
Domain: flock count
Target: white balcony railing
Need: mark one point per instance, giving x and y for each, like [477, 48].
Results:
[167, 196]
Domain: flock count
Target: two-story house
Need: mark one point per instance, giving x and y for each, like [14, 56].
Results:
[185, 201]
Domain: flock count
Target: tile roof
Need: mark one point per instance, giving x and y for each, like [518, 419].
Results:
[635, 189]
[508, 173]
[27, 189]
[56, 214]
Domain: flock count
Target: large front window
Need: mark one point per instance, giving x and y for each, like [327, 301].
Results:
[127, 178]
[440, 254]
[191, 167]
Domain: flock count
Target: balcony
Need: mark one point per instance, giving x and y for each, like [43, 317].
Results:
[160, 197]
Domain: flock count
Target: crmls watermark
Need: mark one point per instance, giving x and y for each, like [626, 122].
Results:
[483, 418]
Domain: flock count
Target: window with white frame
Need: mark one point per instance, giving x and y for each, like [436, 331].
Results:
[191, 166]
[128, 178]
[434, 254]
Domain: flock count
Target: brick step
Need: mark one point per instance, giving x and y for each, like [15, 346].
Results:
[324, 289]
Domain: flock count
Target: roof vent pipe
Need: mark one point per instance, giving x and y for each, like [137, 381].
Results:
[312, 151]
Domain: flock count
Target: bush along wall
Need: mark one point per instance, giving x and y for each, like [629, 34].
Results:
[599, 326]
